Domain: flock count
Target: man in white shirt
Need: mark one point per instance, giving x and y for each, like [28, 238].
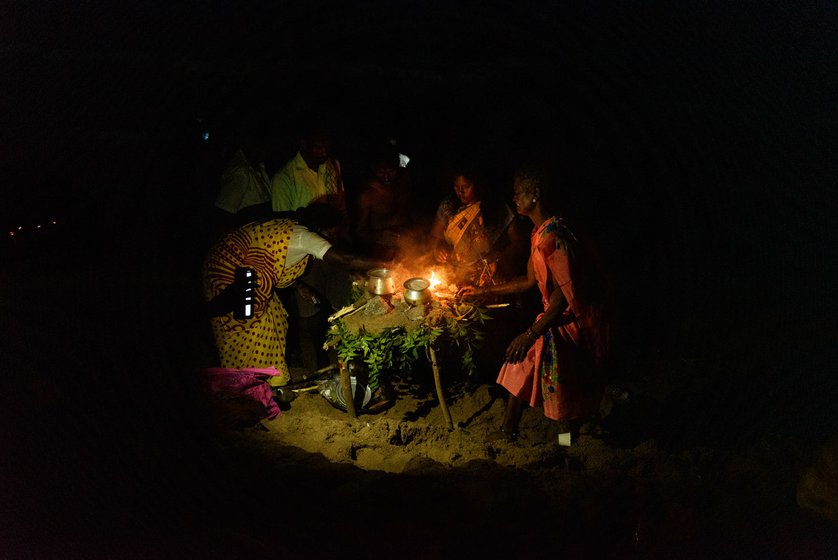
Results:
[243, 184]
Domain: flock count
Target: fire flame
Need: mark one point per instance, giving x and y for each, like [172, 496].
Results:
[439, 284]
[434, 280]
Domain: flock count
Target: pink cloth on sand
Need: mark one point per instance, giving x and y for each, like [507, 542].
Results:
[251, 382]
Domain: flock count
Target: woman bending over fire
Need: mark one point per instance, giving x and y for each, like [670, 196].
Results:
[279, 251]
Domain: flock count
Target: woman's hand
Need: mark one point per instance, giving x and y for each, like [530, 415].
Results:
[469, 292]
[518, 348]
[441, 255]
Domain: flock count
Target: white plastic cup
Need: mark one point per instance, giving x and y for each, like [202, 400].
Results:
[564, 439]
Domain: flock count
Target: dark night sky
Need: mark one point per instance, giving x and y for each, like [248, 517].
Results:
[699, 137]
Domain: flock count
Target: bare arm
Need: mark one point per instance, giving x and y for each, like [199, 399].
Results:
[514, 286]
[437, 230]
[520, 345]
[439, 246]
[349, 261]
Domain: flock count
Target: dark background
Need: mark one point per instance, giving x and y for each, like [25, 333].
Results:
[696, 139]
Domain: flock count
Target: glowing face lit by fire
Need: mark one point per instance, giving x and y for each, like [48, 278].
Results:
[525, 197]
[385, 174]
[465, 190]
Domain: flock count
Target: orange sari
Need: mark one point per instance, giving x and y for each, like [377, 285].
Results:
[559, 373]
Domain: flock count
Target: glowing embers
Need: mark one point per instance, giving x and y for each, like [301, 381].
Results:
[440, 284]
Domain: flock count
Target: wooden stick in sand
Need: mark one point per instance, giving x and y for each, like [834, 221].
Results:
[442, 404]
[346, 387]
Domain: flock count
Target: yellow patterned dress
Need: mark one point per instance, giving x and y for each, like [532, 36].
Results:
[258, 342]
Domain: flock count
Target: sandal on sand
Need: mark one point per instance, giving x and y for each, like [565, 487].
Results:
[283, 394]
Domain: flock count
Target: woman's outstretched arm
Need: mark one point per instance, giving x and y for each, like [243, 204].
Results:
[514, 286]
[348, 261]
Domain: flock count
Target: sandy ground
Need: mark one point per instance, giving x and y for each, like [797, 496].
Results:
[414, 431]
[111, 451]
[610, 494]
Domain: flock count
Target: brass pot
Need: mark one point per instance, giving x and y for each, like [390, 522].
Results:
[416, 291]
[380, 282]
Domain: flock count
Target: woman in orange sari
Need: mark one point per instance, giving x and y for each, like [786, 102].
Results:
[279, 251]
[556, 363]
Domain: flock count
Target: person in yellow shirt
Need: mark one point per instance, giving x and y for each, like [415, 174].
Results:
[313, 175]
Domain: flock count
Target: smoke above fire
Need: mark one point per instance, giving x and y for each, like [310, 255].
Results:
[417, 261]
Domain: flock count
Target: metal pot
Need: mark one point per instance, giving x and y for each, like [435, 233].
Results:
[416, 291]
[380, 282]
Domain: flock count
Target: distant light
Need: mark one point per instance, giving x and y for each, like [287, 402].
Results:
[403, 160]
[12, 233]
[54, 222]
[19, 228]
[38, 226]
[205, 136]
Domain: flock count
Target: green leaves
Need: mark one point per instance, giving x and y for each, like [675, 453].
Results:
[375, 350]
[399, 349]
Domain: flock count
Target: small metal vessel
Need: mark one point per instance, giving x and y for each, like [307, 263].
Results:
[380, 282]
[416, 291]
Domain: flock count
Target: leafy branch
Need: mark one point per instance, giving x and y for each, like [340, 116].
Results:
[399, 349]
